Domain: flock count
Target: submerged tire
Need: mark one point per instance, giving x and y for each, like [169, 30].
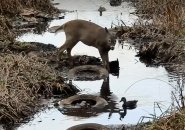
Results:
[98, 102]
[89, 126]
[93, 72]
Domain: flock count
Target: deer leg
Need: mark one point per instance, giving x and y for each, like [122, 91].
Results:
[105, 59]
[69, 56]
[68, 45]
[61, 50]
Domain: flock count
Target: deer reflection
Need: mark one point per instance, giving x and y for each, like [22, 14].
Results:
[105, 90]
[106, 94]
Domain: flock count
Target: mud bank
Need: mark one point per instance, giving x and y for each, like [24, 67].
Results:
[22, 84]
[155, 45]
[19, 16]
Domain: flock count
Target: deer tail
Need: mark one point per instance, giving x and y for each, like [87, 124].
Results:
[59, 29]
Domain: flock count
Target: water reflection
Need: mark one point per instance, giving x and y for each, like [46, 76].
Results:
[122, 113]
[112, 104]
[105, 93]
[90, 112]
[111, 108]
[140, 80]
[176, 80]
[79, 112]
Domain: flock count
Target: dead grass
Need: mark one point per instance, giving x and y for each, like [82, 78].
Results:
[162, 41]
[22, 80]
[6, 33]
[168, 14]
[159, 35]
[165, 51]
[175, 121]
[14, 7]
[11, 10]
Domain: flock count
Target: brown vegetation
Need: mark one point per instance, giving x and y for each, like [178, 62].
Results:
[168, 14]
[162, 41]
[23, 78]
[26, 75]
[160, 36]
[166, 42]
[29, 72]
[175, 121]
[10, 10]
[165, 51]
[154, 44]
[14, 7]
[6, 33]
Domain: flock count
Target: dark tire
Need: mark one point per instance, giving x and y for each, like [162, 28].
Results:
[101, 73]
[99, 102]
[89, 126]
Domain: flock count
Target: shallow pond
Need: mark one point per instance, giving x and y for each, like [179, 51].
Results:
[148, 85]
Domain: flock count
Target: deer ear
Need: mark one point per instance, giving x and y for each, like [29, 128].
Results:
[106, 30]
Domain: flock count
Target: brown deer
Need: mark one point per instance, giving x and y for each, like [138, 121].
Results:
[90, 34]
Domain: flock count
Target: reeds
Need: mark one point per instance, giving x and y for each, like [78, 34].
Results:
[6, 33]
[160, 39]
[171, 118]
[160, 33]
[163, 52]
[174, 121]
[22, 80]
[165, 13]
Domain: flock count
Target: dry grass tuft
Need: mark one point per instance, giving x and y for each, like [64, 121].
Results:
[22, 78]
[6, 33]
[159, 36]
[163, 43]
[163, 52]
[11, 9]
[176, 121]
[14, 7]
[165, 13]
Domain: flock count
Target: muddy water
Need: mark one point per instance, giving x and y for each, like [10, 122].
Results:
[148, 85]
